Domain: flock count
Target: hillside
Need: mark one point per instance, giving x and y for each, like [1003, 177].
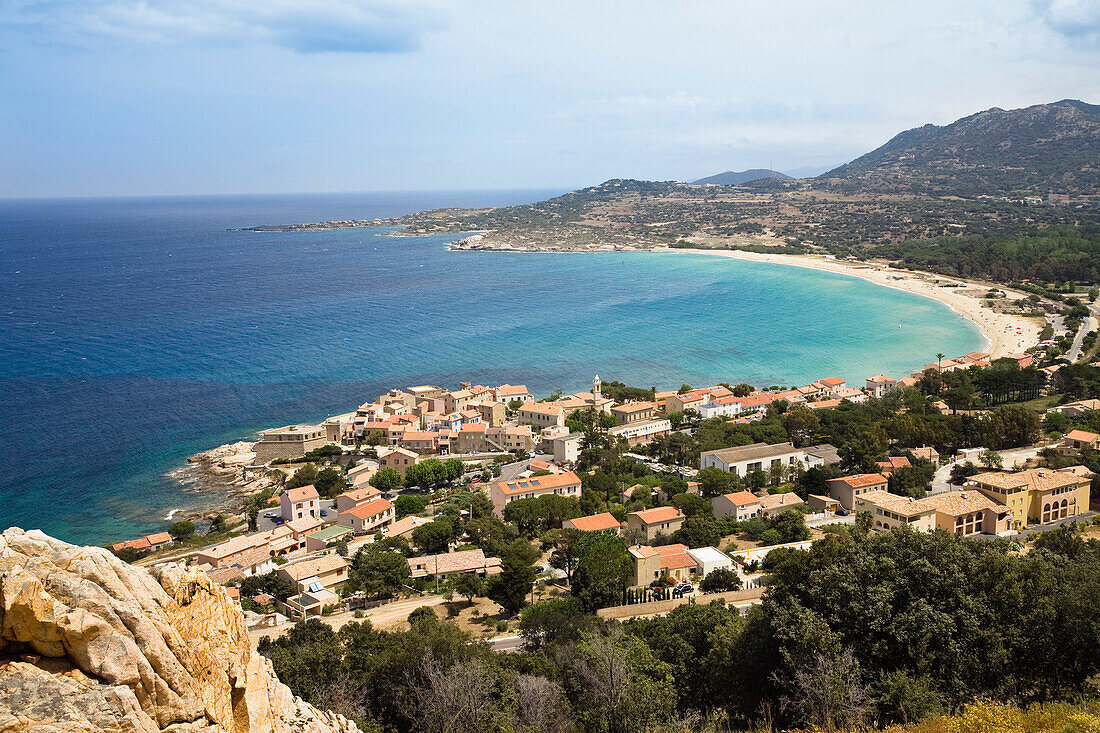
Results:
[89, 643]
[1047, 148]
[736, 178]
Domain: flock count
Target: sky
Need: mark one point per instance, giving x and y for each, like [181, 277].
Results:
[143, 97]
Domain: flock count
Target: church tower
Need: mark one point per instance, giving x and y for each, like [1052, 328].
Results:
[596, 390]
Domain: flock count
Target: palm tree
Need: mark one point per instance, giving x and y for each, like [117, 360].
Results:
[939, 372]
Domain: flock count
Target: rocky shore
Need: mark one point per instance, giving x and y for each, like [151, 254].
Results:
[226, 475]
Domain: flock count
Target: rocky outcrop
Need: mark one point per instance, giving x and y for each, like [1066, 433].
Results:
[88, 642]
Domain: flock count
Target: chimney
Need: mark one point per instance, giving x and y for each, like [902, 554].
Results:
[965, 495]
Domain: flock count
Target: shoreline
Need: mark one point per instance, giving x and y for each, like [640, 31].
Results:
[998, 329]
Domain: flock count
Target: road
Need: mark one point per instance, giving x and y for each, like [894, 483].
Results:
[1089, 324]
[1012, 458]
[383, 617]
[507, 643]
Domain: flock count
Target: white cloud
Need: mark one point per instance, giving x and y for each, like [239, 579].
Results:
[306, 26]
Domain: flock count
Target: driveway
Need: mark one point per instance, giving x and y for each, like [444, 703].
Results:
[1011, 458]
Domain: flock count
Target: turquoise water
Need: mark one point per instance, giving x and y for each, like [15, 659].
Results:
[136, 332]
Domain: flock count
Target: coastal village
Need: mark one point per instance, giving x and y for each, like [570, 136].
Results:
[430, 474]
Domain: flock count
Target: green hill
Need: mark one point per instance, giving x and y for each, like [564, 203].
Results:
[1047, 148]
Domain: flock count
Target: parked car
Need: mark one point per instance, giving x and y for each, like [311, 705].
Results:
[842, 512]
[271, 515]
[475, 480]
[684, 588]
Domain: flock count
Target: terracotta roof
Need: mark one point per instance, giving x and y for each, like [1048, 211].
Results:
[463, 561]
[360, 494]
[369, 509]
[823, 404]
[742, 498]
[541, 408]
[538, 483]
[406, 524]
[659, 514]
[894, 462]
[832, 381]
[1037, 479]
[897, 504]
[862, 479]
[302, 493]
[880, 378]
[776, 501]
[595, 522]
[159, 538]
[954, 503]
[512, 389]
[315, 566]
[1082, 435]
[634, 407]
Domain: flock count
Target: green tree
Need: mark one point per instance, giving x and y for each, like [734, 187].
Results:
[329, 482]
[719, 580]
[602, 571]
[304, 476]
[469, 586]
[517, 576]
[387, 480]
[407, 504]
[181, 530]
[433, 537]
[378, 571]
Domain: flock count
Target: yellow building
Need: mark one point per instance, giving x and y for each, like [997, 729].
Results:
[1037, 496]
[889, 511]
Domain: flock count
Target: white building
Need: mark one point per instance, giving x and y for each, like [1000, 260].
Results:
[709, 559]
[721, 407]
[746, 459]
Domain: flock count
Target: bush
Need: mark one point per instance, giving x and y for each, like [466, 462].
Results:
[182, 530]
[720, 580]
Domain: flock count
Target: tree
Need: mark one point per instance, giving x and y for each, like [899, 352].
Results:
[329, 482]
[423, 615]
[991, 460]
[469, 585]
[791, 526]
[270, 583]
[714, 482]
[407, 504]
[433, 537]
[378, 571]
[304, 476]
[602, 571]
[181, 530]
[828, 694]
[801, 423]
[692, 505]
[720, 580]
[565, 555]
[387, 480]
[698, 531]
[517, 576]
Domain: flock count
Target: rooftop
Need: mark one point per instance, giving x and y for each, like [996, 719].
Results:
[369, 509]
[659, 514]
[742, 498]
[302, 493]
[751, 452]
[862, 479]
[595, 523]
[314, 566]
[538, 483]
[1037, 479]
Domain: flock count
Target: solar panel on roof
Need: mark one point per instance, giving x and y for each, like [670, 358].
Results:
[535, 482]
[316, 587]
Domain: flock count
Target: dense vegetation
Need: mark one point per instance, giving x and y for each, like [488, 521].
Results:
[1055, 254]
[889, 627]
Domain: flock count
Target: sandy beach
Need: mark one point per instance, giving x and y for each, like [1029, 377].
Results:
[1005, 334]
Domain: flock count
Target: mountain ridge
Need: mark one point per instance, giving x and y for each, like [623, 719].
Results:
[736, 178]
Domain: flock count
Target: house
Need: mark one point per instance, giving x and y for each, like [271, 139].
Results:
[425, 392]
[640, 432]
[322, 539]
[420, 441]
[593, 523]
[1076, 409]
[846, 488]
[330, 570]
[368, 517]
[355, 497]
[250, 553]
[744, 460]
[454, 563]
[946, 365]
[820, 503]
[663, 520]
[303, 501]
[721, 407]
[740, 505]
[692, 400]
[494, 413]
[661, 400]
[634, 412]
[926, 453]
[829, 387]
[1076, 440]
[398, 459]
[774, 504]
[563, 484]
[540, 414]
[824, 404]
[567, 448]
[511, 438]
[471, 438]
[405, 526]
[709, 559]
[651, 563]
[879, 385]
[508, 392]
[891, 464]
[289, 441]
[1036, 496]
[963, 513]
[360, 474]
[147, 543]
[458, 400]
[889, 511]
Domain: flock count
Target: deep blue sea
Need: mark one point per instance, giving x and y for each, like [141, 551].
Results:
[135, 332]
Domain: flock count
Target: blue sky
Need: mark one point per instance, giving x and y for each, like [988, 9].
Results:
[142, 97]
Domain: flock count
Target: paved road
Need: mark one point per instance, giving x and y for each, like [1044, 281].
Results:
[1011, 458]
[1089, 324]
[507, 643]
[384, 617]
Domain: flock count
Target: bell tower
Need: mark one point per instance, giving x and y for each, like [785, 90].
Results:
[596, 390]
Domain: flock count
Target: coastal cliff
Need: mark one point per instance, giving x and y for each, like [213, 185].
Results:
[90, 643]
